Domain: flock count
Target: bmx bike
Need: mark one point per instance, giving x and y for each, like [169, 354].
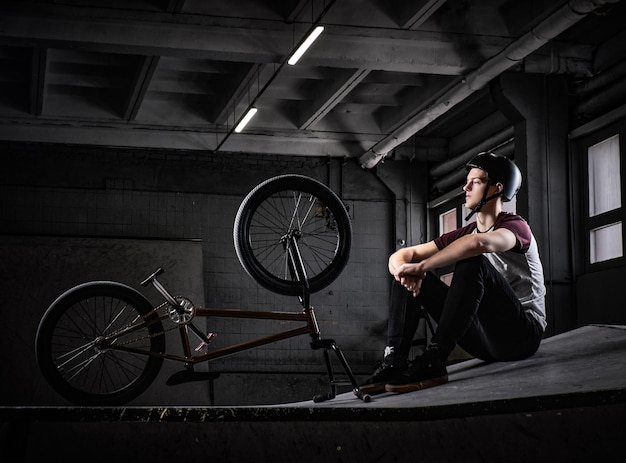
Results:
[104, 343]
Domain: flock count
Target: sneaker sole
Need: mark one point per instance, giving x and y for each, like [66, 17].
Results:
[373, 388]
[410, 387]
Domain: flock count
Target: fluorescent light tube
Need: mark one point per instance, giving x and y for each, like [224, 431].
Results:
[251, 112]
[315, 33]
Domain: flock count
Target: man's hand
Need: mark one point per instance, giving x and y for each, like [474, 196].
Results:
[412, 284]
[410, 276]
[407, 265]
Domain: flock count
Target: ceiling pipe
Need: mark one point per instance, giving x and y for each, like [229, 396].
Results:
[457, 177]
[597, 83]
[487, 144]
[566, 16]
[602, 92]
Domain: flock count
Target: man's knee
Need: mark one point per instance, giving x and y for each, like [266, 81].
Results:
[471, 265]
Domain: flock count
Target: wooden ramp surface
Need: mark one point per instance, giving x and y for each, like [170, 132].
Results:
[566, 403]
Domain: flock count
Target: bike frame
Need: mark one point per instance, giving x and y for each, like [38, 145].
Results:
[306, 316]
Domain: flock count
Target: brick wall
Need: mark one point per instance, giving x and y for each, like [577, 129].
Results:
[126, 195]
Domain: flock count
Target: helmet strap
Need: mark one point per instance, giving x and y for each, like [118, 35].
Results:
[481, 203]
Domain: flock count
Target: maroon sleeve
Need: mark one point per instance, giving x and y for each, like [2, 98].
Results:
[519, 227]
[513, 222]
[447, 238]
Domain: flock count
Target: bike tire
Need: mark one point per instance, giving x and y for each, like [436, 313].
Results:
[285, 204]
[79, 367]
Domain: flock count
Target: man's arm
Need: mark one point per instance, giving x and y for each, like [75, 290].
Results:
[463, 248]
[411, 254]
[409, 265]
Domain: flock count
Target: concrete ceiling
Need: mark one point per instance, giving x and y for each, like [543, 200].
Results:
[385, 78]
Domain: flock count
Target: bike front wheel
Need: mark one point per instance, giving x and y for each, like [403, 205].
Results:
[95, 344]
[286, 213]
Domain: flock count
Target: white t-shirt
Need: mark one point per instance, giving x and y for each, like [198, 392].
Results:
[520, 266]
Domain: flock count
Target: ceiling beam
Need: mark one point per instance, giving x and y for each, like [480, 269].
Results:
[567, 15]
[141, 137]
[38, 62]
[188, 37]
[139, 87]
[414, 14]
[330, 96]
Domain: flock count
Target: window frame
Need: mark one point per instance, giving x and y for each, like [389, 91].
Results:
[589, 223]
[453, 200]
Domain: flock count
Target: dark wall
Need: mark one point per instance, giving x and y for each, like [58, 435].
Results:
[65, 209]
[159, 205]
[37, 269]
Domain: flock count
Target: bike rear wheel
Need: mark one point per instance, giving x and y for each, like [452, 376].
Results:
[299, 208]
[78, 339]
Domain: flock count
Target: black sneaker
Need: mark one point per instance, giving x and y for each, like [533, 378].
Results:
[425, 371]
[389, 368]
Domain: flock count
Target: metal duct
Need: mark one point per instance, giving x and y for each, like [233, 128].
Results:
[603, 91]
[566, 16]
[607, 78]
[447, 166]
[457, 177]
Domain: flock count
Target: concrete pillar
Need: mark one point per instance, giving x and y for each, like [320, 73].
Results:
[538, 107]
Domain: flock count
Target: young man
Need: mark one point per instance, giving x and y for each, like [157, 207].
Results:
[494, 307]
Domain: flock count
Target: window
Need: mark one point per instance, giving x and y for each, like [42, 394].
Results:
[604, 178]
[447, 223]
[604, 230]
[605, 243]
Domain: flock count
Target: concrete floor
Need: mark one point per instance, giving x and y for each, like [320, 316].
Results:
[566, 403]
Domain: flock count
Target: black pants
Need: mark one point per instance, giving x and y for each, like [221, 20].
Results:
[478, 311]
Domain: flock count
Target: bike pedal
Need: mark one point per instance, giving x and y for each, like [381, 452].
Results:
[204, 344]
